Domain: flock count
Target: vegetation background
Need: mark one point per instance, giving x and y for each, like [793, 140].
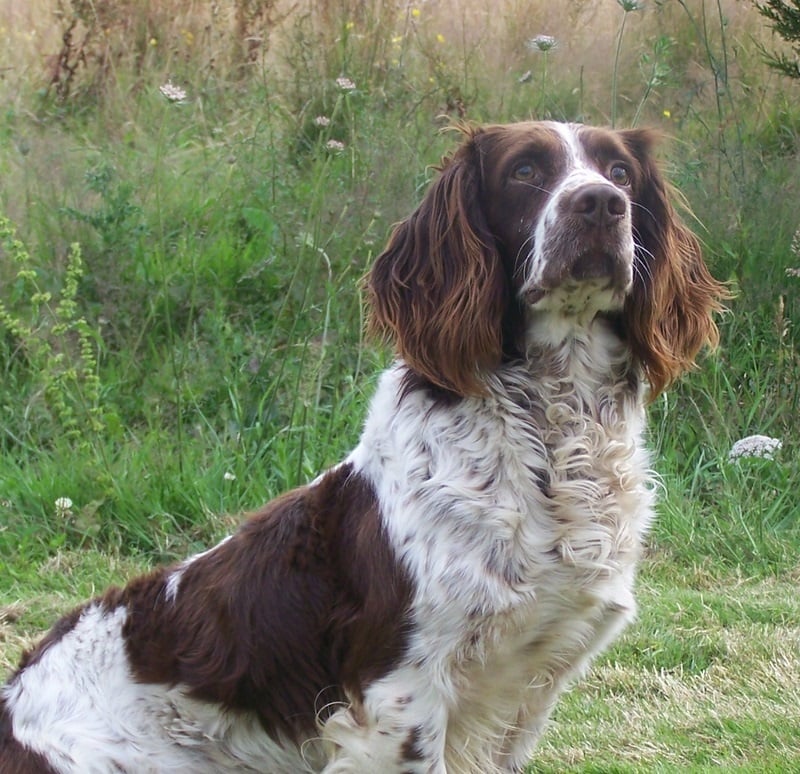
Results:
[190, 193]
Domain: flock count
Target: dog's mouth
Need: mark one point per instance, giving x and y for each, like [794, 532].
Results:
[594, 265]
[593, 270]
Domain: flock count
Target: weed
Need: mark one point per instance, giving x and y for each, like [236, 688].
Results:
[53, 342]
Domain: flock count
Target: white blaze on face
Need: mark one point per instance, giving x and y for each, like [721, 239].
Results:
[559, 240]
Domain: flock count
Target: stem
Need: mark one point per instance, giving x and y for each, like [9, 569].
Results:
[540, 108]
[615, 71]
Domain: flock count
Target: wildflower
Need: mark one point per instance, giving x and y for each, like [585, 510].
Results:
[172, 92]
[345, 84]
[440, 38]
[228, 476]
[796, 243]
[543, 43]
[322, 121]
[755, 446]
[415, 12]
[631, 5]
[793, 272]
[153, 42]
[335, 146]
[667, 114]
[63, 506]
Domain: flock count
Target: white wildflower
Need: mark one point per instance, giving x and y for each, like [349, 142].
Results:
[796, 243]
[322, 121]
[335, 146]
[631, 5]
[228, 476]
[543, 43]
[63, 506]
[345, 84]
[755, 446]
[792, 272]
[172, 92]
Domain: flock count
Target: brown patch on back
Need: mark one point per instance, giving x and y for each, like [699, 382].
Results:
[302, 607]
[14, 757]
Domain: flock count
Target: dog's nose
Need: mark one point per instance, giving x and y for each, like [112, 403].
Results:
[598, 204]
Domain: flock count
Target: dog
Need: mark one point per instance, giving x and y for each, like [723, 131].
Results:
[420, 606]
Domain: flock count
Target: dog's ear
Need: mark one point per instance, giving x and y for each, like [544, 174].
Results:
[438, 290]
[669, 314]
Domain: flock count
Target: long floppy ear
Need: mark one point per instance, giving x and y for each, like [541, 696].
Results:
[669, 314]
[439, 290]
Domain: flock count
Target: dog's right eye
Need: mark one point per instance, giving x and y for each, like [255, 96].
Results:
[524, 172]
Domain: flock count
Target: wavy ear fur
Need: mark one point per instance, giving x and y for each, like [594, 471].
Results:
[669, 315]
[439, 290]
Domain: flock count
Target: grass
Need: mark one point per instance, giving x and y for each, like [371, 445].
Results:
[201, 350]
[705, 681]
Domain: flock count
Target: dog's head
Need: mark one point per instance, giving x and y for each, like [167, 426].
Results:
[538, 218]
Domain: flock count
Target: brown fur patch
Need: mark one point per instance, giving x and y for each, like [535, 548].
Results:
[303, 606]
[14, 757]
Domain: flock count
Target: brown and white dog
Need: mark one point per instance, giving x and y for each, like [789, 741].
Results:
[421, 606]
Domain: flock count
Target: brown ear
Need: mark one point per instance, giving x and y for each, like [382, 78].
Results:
[669, 315]
[439, 290]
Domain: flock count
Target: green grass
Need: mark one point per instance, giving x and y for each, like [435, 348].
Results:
[206, 351]
[705, 681]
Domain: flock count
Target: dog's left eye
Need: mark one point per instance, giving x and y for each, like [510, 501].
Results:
[524, 172]
[619, 175]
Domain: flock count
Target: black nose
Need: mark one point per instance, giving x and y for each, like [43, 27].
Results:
[598, 204]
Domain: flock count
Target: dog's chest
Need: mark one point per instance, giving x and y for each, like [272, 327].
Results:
[520, 524]
[510, 493]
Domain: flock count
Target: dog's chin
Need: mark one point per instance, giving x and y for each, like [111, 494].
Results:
[596, 281]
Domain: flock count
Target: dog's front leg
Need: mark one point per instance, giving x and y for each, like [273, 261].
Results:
[398, 728]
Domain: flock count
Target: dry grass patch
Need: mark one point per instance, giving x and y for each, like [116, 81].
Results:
[740, 711]
[33, 602]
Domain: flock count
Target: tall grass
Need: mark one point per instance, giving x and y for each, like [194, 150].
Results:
[210, 353]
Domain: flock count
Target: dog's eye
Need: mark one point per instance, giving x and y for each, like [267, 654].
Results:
[619, 175]
[524, 172]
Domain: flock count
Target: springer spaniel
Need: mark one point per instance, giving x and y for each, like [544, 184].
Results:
[420, 606]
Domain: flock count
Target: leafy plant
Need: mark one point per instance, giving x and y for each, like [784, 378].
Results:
[784, 16]
[54, 342]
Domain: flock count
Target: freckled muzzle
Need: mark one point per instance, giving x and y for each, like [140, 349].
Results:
[586, 238]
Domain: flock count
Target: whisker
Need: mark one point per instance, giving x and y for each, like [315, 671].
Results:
[519, 259]
[644, 209]
[538, 188]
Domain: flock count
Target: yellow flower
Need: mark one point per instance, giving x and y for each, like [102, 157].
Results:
[153, 42]
[349, 25]
[415, 12]
[440, 38]
[667, 114]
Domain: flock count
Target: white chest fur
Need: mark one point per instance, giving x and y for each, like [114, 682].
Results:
[520, 517]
